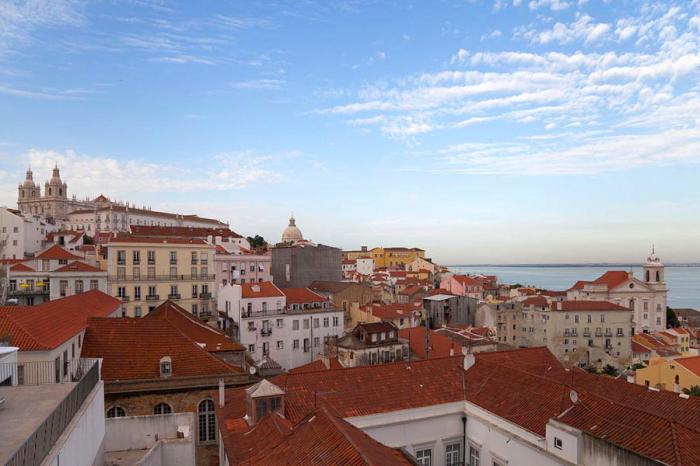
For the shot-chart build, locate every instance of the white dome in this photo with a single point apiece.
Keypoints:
(292, 234)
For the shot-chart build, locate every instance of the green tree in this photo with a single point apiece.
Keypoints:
(610, 370)
(671, 318)
(694, 390)
(638, 366)
(591, 369)
(88, 240)
(257, 241)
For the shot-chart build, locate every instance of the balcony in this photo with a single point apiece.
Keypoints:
(29, 292)
(608, 333)
(163, 278)
(266, 332)
(173, 261)
(586, 333)
(206, 295)
(620, 334)
(125, 299)
(151, 262)
(203, 261)
(121, 261)
(174, 296)
(152, 297)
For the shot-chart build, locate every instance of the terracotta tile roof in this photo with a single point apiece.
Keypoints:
(638, 348)
(375, 327)
(526, 386)
(50, 324)
(127, 238)
(438, 291)
(391, 311)
(208, 337)
(301, 296)
(411, 290)
(56, 252)
(21, 268)
(611, 278)
(440, 345)
(587, 306)
(691, 363)
(329, 287)
(260, 290)
(182, 232)
(221, 250)
(537, 301)
(78, 266)
(132, 348)
(467, 280)
(317, 365)
(76, 235)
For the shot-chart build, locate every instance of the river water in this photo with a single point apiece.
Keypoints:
(683, 282)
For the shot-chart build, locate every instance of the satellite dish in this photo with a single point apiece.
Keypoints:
(573, 396)
(252, 370)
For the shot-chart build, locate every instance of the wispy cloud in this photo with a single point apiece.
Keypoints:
(258, 84)
(18, 19)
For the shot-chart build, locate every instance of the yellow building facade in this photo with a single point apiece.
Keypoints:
(664, 373)
(386, 257)
(145, 272)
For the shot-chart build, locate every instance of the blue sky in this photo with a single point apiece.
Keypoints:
(483, 131)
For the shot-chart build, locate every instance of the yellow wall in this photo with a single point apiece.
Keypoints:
(661, 373)
(161, 271)
(386, 257)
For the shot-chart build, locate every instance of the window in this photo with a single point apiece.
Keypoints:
(151, 273)
(194, 258)
(193, 272)
(173, 257)
(162, 408)
(316, 322)
(116, 411)
(79, 286)
(317, 342)
(473, 456)
(251, 348)
(280, 345)
(194, 291)
(424, 457)
(453, 454)
(207, 421)
(326, 321)
(137, 311)
(280, 323)
(166, 368)
(151, 257)
(121, 257)
(136, 257)
(306, 324)
(20, 374)
(558, 444)
(121, 291)
(295, 344)
(137, 293)
(335, 321)
(151, 291)
(295, 325)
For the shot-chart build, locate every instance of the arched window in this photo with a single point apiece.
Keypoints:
(116, 411)
(658, 275)
(647, 275)
(207, 421)
(162, 408)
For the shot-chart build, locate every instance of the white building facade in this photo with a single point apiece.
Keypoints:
(21, 235)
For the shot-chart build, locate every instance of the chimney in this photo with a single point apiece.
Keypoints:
(222, 400)
(632, 377)
(469, 359)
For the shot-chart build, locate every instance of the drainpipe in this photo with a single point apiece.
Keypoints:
(464, 436)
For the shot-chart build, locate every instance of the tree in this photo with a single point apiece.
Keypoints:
(694, 390)
(638, 366)
(88, 240)
(610, 370)
(591, 369)
(671, 318)
(257, 241)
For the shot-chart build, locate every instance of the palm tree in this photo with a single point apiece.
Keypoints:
(694, 390)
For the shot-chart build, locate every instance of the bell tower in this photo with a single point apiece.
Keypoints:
(654, 271)
(27, 194)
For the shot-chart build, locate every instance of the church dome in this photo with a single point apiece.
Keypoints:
(291, 234)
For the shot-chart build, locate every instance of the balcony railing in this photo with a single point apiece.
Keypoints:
(152, 297)
(268, 312)
(586, 333)
(163, 278)
(205, 295)
(124, 299)
(174, 296)
(173, 261)
(266, 332)
(28, 292)
(39, 444)
(608, 333)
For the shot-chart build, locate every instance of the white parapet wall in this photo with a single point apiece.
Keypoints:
(157, 434)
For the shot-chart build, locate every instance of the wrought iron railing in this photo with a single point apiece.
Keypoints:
(162, 278)
(39, 444)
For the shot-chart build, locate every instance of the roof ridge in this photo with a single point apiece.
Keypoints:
(676, 447)
(341, 428)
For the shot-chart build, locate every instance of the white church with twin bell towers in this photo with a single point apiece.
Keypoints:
(93, 215)
(646, 296)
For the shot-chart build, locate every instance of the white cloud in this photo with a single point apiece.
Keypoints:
(554, 5)
(258, 84)
(584, 28)
(459, 57)
(18, 19)
(495, 34)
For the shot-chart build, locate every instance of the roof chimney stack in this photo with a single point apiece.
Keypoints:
(222, 399)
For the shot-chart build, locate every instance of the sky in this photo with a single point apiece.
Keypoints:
(506, 131)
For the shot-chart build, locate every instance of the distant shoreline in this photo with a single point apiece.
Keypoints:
(601, 264)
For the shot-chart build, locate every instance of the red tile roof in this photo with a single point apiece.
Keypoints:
(611, 278)
(182, 232)
(21, 268)
(587, 306)
(78, 266)
(526, 386)
(691, 363)
(208, 337)
(391, 311)
(440, 345)
(133, 348)
(222, 250)
(127, 238)
(537, 301)
(467, 280)
(76, 235)
(56, 252)
(50, 324)
(260, 290)
(301, 296)
(411, 290)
